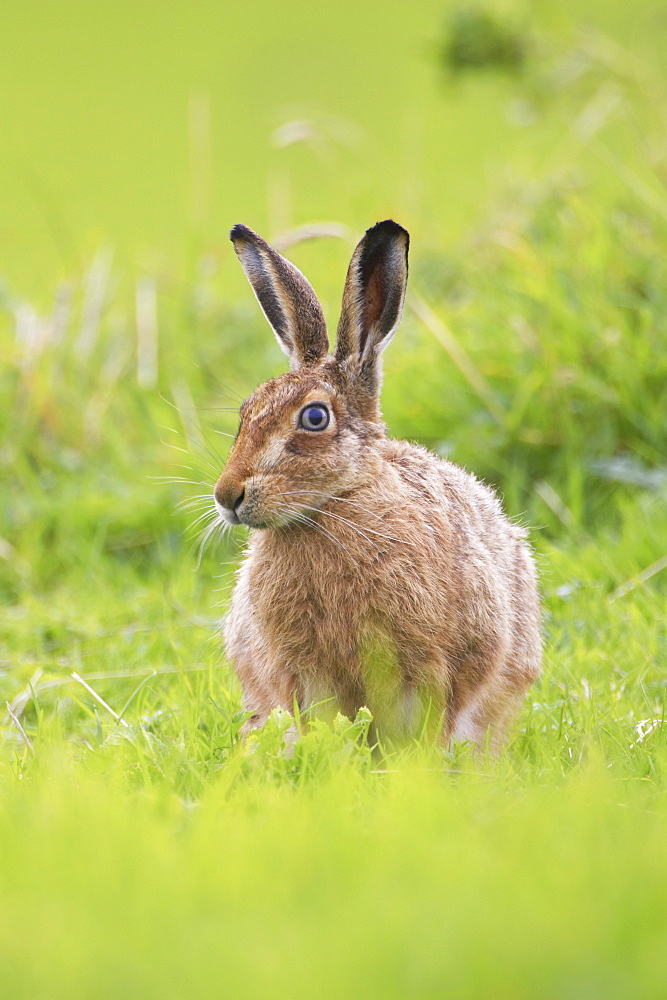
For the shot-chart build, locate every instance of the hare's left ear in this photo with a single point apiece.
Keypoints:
(373, 299)
(287, 299)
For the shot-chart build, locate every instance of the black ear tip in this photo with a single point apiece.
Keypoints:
(388, 229)
(240, 233)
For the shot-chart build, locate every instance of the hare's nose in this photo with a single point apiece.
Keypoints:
(229, 495)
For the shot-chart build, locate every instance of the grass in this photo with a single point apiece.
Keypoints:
(146, 850)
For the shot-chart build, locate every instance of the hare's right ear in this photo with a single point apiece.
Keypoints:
(287, 299)
(373, 300)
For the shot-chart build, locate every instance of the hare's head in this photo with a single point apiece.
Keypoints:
(307, 435)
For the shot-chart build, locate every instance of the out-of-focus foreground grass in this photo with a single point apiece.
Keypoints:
(145, 850)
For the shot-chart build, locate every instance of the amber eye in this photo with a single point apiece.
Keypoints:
(314, 417)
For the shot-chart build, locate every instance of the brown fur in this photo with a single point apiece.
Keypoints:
(378, 572)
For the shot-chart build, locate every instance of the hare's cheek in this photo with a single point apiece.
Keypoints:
(271, 456)
(311, 444)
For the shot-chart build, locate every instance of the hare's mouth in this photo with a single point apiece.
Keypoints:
(247, 512)
(226, 514)
(264, 502)
(243, 508)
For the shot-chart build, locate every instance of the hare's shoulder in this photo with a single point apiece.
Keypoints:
(439, 479)
(421, 468)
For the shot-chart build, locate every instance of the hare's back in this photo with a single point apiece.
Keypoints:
(444, 489)
(488, 561)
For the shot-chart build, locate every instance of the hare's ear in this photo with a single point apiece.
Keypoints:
(373, 299)
(287, 299)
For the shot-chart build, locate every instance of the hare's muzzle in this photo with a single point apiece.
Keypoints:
(229, 497)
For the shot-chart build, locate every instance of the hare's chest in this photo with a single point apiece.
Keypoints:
(307, 612)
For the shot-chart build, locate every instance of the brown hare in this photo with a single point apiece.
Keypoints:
(376, 573)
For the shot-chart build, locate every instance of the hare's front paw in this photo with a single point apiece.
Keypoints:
(255, 721)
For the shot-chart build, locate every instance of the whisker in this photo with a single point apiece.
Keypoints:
(318, 510)
(354, 527)
(177, 479)
(197, 496)
(225, 388)
(304, 519)
(174, 447)
(198, 509)
(200, 513)
(332, 496)
(207, 534)
(199, 499)
(189, 468)
(187, 451)
(220, 409)
(190, 502)
(203, 445)
(208, 514)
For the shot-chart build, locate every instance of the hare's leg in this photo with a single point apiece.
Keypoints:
(488, 714)
(264, 690)
(350, 693)
(267, 683)
(486, 718)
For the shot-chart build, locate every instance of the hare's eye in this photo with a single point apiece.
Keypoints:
(314, 417)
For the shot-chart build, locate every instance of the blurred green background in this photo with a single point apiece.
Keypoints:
(152, 126)
(148, 851)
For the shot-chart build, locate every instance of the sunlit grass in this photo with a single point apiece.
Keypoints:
(147, 850)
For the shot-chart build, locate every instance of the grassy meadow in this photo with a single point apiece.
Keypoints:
(147, 851)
